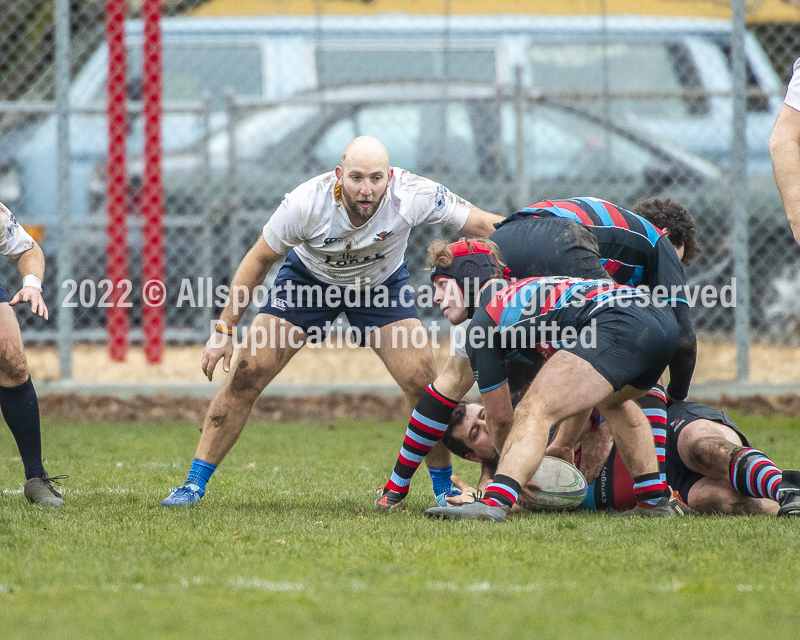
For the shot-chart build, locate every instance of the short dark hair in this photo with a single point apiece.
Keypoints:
(663, 212)
(453, 444)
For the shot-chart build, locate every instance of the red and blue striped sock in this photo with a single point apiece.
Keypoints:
(753, 474)
(503, 491)
(426, 427)
(654, 406)
(649, 488)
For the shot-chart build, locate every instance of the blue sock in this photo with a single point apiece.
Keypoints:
(200, 473)
(440, 476)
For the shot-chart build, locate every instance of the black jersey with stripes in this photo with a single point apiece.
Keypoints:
(633, 252)
(631, 249)
(536, 316)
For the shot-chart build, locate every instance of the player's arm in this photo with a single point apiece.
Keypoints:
(31, 267)
(784, 147)
(480, 223)
(250, 274)
(569, 434)
(681, 368)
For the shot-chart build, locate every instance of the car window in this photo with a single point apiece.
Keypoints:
(564, 145)
(192, 69)
(338, 65)
(638, 67)
(256, 133)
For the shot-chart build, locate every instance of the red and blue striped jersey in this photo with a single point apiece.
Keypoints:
(632, 250)
(541, 314)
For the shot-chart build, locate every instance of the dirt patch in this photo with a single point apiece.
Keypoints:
(784, 405)
(159, 409)
(318, 409)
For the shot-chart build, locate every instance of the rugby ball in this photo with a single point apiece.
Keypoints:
(556, 486)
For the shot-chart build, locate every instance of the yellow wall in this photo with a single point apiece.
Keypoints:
(758, 10)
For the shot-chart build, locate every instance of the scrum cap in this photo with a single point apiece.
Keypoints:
(472, 266)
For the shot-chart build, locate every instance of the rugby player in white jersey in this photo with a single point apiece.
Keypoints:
(18, 401)
(344, 232)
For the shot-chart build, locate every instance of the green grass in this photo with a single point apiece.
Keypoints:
(291, 548)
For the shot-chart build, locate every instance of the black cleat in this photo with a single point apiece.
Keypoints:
(789, 494)
(389, 500)
(41, 491)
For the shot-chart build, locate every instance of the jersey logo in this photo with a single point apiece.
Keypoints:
(380, 237)
(328, 241)
(279, 303)
(441, 197)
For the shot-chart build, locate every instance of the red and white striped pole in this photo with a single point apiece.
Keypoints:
(153, 276)
(117, 321)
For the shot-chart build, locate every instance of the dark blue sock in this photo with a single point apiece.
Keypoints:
(200, 473)
(20, 408)
(440, 477)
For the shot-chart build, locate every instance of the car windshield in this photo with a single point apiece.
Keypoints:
(256, 133)
(620, 67)
(563, 145)
(191, 70)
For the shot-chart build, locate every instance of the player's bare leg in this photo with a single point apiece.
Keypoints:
(708, 448)
(20, 408)
(269, 345)
(253, 369)
(544, 406)
(709, 496)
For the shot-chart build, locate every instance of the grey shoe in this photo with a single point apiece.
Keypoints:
(789, 494)
(390, 500)
(663, 509)
(472, 511)
(40, 491)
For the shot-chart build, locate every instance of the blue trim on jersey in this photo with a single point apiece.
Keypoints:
(600, 210)
(557, 211)
(497, 386)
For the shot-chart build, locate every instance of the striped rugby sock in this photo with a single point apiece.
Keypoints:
(649, 488)
(503, 491)
(753, 474)
(654, 406)
(426, 427)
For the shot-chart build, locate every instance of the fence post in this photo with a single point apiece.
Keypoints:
(739, 193)
(64, 254)
(234, 233)
(207, 312)
(519, 125)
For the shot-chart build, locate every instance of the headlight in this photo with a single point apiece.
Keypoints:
(10, 184)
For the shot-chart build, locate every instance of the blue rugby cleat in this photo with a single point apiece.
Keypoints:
(184, 496)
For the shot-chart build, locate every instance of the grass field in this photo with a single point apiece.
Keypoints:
(288, 547)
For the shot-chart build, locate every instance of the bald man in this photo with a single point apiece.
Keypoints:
(344, 235)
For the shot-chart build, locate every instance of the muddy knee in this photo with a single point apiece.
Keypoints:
(247, 378)
(13, 371)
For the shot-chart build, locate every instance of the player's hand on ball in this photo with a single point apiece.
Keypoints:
(557, 451)
(34, 296)
(466, 492)
(218, 347)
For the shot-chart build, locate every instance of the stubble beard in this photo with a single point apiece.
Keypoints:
(355, 209)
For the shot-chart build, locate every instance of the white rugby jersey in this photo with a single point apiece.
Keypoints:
(312, 220)
(14, 240)
(793, 91)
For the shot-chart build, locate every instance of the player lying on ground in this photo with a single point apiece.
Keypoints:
(538, 242)
(18, 401)
(343, 231)
(610, 344)
(710, 463)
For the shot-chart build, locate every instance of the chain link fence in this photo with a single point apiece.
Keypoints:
(503, 110)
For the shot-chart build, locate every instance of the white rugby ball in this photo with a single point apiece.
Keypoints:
(556, 486)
